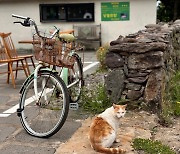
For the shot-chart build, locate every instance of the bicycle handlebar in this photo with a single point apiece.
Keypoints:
(30, 22)
(20, 17)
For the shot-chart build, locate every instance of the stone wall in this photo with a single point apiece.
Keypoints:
(141, 64)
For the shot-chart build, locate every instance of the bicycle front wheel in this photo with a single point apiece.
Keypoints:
(75, 79)
(45, 115)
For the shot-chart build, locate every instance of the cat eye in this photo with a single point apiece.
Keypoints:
(120, 112)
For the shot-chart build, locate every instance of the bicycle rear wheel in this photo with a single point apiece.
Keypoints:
(45, 117)
(75, 79)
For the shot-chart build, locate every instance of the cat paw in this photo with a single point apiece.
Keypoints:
(123, 151)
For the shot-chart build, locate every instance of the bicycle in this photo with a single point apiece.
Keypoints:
(44, 96)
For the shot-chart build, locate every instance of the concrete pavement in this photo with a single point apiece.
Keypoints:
(13, 138)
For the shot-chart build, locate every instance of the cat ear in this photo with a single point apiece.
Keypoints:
(125, 105)
(114, 105)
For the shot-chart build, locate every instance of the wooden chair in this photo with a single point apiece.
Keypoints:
(8, 44)
(4, 58)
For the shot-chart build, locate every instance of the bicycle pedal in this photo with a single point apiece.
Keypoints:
(73, 106)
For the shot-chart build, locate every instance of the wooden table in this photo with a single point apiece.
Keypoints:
(49, 41)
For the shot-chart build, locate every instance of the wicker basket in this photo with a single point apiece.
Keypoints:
(50, 51)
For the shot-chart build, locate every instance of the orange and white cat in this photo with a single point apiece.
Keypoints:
(103, 130)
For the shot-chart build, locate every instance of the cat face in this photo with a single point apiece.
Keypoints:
(119, 110)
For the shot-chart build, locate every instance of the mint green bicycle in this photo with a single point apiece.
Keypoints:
(47, 94)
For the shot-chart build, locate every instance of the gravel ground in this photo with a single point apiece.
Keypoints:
(135, 124)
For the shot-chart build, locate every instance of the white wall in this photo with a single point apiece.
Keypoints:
(142, 12)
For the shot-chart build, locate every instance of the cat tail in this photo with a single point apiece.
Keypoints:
(109, 150)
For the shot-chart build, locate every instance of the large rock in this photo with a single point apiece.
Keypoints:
(138, 47)
(154, 89)
(114, 60)
(177, 22)
(153, 26)
(138, 79)
(138, 73)
(146, 61)
(158, 37)
(133, 86)
(121, 39)
(118, 41)
(114, 83)
(134, 94)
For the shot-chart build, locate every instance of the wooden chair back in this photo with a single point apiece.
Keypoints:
(11, 50)
(8, 44)
(5, 58)
(3, 54)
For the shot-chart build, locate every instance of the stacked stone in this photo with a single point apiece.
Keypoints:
(141, 64)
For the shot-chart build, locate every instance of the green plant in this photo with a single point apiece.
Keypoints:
(101, 69)
(176, 109)
(151, 147)
(173, 94)
(171, 100)
(175, 87)
(101, 55)
(95, 99)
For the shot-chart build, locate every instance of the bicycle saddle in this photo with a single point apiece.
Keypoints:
(67, 37)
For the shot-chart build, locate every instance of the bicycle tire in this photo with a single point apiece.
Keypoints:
(75, 74)
(45, 117)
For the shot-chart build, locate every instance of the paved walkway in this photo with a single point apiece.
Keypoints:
(133, 125)
(13, 138)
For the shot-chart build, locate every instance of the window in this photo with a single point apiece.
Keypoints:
(67, 12)
(80, 12)
(52, 12)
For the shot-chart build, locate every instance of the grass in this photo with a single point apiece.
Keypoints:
(101, 69)
(174, 93)
(95, 100)
(171, 101)
(151, 147)
(176, 109)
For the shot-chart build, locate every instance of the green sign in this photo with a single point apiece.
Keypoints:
(115, 11)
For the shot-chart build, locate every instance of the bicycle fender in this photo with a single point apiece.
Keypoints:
(64, 75)
(25, 82)
(30, 76)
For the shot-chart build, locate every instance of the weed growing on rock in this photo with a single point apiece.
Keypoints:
(101, 70)
(151, 147)
(95, 100)
(101, 55)
(171, 100)
(174, 92)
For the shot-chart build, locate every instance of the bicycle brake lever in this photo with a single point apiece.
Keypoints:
(17, 22)
(55, 27)
(26, 22)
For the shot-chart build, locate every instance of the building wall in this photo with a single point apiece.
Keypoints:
(142, 12)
